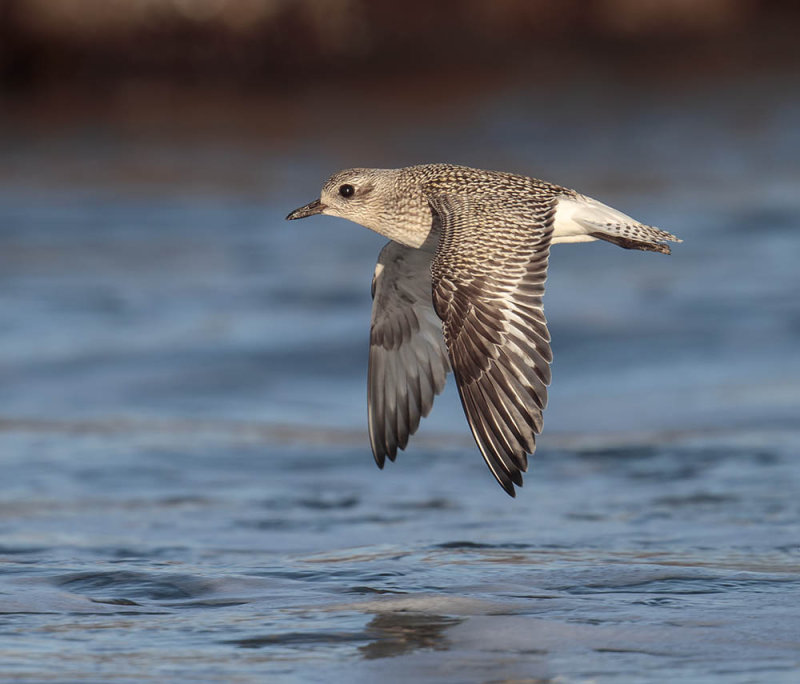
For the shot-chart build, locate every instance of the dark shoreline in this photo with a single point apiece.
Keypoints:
(284, 49)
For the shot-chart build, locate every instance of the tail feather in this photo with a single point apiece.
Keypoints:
(628, 243)
(583, 216)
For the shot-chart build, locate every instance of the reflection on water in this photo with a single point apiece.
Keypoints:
(155, 548)
(187, 491)
(395, 634)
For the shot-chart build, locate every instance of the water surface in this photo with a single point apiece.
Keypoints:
(187, 492)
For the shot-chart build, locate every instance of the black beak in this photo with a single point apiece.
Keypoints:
(315, 207)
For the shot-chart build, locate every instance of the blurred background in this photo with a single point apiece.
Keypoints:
(150, 148)
(183, 373)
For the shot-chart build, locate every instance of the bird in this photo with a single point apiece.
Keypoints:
(459, 287)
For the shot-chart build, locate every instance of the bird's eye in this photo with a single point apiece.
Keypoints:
(346, 190)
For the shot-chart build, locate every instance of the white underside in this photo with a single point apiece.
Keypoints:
(562, 239)
(577, 217)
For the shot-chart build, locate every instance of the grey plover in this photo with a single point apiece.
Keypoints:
(459, 286)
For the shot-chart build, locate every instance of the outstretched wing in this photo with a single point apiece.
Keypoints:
(488, 280)
(407, 358)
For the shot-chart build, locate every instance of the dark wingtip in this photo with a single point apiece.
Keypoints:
(380, 459)
(508, 486)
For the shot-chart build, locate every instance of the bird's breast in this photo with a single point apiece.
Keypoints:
(417, 229)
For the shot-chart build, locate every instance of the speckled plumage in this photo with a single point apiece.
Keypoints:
(460, 287)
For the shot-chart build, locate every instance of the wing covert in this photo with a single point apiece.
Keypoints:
(488, 281)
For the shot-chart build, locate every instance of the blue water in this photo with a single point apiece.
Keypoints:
(186, 487)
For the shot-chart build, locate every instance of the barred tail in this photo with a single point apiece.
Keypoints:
(637, 236)
(579, 218)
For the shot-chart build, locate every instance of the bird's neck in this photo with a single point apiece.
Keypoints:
(408, 220)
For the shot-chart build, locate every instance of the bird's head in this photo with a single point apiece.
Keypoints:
(359, 195)
(387, 201)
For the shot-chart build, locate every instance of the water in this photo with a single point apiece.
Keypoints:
(187, 492)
